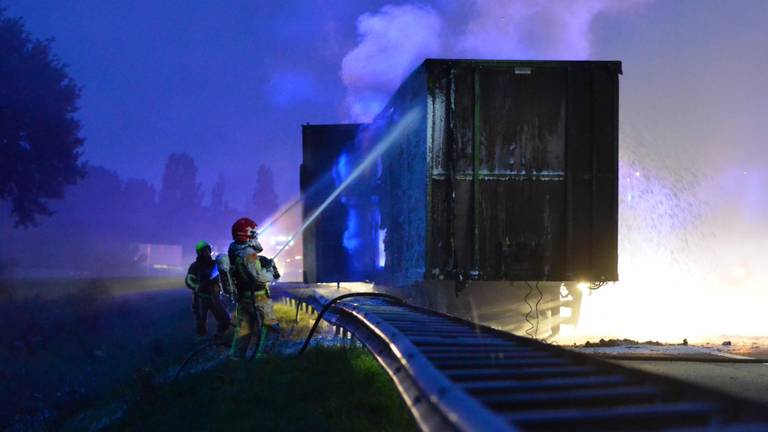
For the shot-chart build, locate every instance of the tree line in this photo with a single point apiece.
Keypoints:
(59, 212)
(95, 227)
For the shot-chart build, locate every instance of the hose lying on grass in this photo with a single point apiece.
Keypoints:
(304, 347)
(195, 353)
(328, 305)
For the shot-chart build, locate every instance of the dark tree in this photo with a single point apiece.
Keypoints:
(138, 206)
(217, 195)
(180, 202)
(180, 192)
(138, 193)
(85, 232)
(39, 134)
(264, 199)
(93, 229)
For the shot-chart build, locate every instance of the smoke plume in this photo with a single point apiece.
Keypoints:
(392, 42)
(395, 39)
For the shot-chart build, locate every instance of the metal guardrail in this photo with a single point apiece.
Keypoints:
(457, 375)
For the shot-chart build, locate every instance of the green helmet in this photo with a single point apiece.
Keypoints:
(202, 244)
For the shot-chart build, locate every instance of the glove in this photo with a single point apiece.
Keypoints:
(269, 265)
(266, 263)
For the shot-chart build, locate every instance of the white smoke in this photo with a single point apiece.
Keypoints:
(394, 40)
(544, 29)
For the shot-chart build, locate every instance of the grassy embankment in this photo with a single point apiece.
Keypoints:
(77, 341)
(85, 350)
(328, 388)
(339, 389)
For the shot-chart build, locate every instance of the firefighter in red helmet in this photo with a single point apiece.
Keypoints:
(251, 275)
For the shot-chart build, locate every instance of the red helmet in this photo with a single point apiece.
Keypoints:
(244, 229)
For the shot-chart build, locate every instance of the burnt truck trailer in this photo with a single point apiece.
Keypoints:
(494, 206)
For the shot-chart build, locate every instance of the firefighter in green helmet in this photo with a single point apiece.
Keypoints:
(203, 279)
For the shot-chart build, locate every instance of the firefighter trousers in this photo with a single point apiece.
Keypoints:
(254, 317)
(206, 304)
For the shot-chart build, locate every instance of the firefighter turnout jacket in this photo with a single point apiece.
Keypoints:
(200, 278)
(248, 273)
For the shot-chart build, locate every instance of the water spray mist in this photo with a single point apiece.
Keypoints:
(280, 216)
(405, 124)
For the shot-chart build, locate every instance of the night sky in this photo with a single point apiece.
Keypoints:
(231, 81)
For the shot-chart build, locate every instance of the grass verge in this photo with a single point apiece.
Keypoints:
(339, 389)
(290, 328)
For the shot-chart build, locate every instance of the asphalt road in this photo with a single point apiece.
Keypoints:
(748, 381)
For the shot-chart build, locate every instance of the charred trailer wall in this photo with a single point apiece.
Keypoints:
(403, 189)
(324, 256)
(512, 174)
